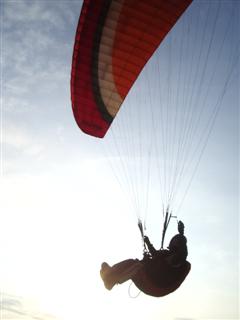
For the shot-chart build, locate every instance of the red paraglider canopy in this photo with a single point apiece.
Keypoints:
(114, 40)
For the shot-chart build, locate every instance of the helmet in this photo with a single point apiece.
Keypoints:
(178, 242)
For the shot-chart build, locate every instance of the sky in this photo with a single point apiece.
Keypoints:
(62, 208)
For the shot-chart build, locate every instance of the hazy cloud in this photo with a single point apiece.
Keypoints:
(36, 51)
(19, 139)
(12, 307)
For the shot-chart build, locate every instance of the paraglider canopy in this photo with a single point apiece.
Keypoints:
(114, 40)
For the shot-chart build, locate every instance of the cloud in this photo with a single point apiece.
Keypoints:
(19, 139)
(37, 48)
(25, 11)
(12, 306)
(37, 51)
(22, 149)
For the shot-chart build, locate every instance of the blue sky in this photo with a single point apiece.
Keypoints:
(62, 210)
